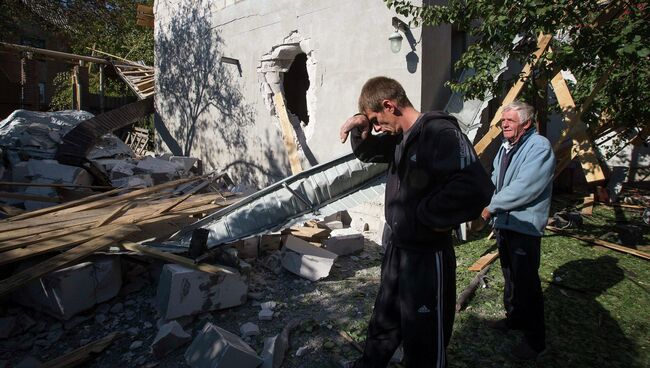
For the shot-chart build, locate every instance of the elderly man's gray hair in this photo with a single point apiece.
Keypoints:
(524, 110)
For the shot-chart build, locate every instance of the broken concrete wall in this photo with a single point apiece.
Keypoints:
(224, 113)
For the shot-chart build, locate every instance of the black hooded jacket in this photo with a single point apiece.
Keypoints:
(435, 180)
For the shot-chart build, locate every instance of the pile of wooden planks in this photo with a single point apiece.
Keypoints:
(75, 230)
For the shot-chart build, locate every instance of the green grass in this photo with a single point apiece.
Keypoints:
(597, 302)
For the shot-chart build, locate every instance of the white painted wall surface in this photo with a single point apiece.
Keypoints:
(235, 129)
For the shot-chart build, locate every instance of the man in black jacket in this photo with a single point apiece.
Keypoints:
(434, 183)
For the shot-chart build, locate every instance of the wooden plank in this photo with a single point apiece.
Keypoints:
(33, 239)
(29, 197)
(51, 185)
(468, 292)
(28, 231)
(308, 233)
(577, 131)
(65, 259)
(287, 133)
(132, 195)
(63, 206)
(82, 354)
(10, 210)
(174, 258)
(601, 242)
(484, 261)
(494, 131)
(111, 216)
(587, 205)
(52, 245)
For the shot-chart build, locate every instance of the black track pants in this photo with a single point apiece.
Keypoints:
(415, 306)
(522, 294)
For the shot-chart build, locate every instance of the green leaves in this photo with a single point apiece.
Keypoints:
(618, 46)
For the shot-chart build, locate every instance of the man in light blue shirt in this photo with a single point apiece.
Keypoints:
(523, 176)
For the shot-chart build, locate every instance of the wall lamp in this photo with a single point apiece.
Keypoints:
(396, 38)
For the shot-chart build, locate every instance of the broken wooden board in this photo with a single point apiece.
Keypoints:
(576, 130)
(587, 205)
(54, 244)
(602, 243)
(174, 258)
(65, 259)
(310, 234)
(82, 354)
(484, 261)
(494, 130)
(287, 133)
(468, 292)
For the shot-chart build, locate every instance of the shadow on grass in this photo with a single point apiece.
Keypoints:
(580, 331)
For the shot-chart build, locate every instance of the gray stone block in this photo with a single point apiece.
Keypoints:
(215, 347)
(184, 291)
(170, 337)
(306, 260)
(344, 241)
(69, 291)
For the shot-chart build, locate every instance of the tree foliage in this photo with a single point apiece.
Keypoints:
(592, 38)
(105, 25)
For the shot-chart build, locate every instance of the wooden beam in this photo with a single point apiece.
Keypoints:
(63, 206)
(494, 131)
(65, 259)
(174, 258)
(53, 54)
(287, 133)
(587, 205)
(577, 131)
(41, 237)
(21, 184)
(484, 261)
(52, 245)
(82, 354)
(602, 243)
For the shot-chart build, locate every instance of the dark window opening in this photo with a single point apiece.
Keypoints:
(296, 84)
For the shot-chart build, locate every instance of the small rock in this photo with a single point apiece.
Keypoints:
(133, 331)
(269, 305)
(56, 326)
(130, 303)
(100, 318)
(9, 326)
(117, 308)
(249, 329)
(169, 337)
(147, 325)
(301, 351)
(54, 336)
(328, 345)
(40, 326)
(42, 342)
(265, 315)
(83, 342)
(136, 345)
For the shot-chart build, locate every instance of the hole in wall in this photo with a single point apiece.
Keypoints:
(296, 84)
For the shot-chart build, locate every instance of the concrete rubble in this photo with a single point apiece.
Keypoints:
(69, 291)
(215, 347)
(170, 336)
(344, 241)
(305, 260)
(183, 291)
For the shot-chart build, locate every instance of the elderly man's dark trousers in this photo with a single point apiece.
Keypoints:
(415, 307)
(522, 297)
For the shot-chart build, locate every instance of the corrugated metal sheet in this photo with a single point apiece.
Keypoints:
(321, 190)
(81, 139)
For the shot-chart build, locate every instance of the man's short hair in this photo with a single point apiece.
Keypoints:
(377, 89)
(524, 110)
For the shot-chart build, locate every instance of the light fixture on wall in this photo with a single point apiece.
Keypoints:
(396, 38)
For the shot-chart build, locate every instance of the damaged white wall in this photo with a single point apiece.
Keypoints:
(225, 115)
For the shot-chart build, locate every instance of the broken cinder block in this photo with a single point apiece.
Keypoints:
(184, 291)
(215, 347)
(344, 241)
(342, 216)
(68, 291)
(306, 260)
(170, 336)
